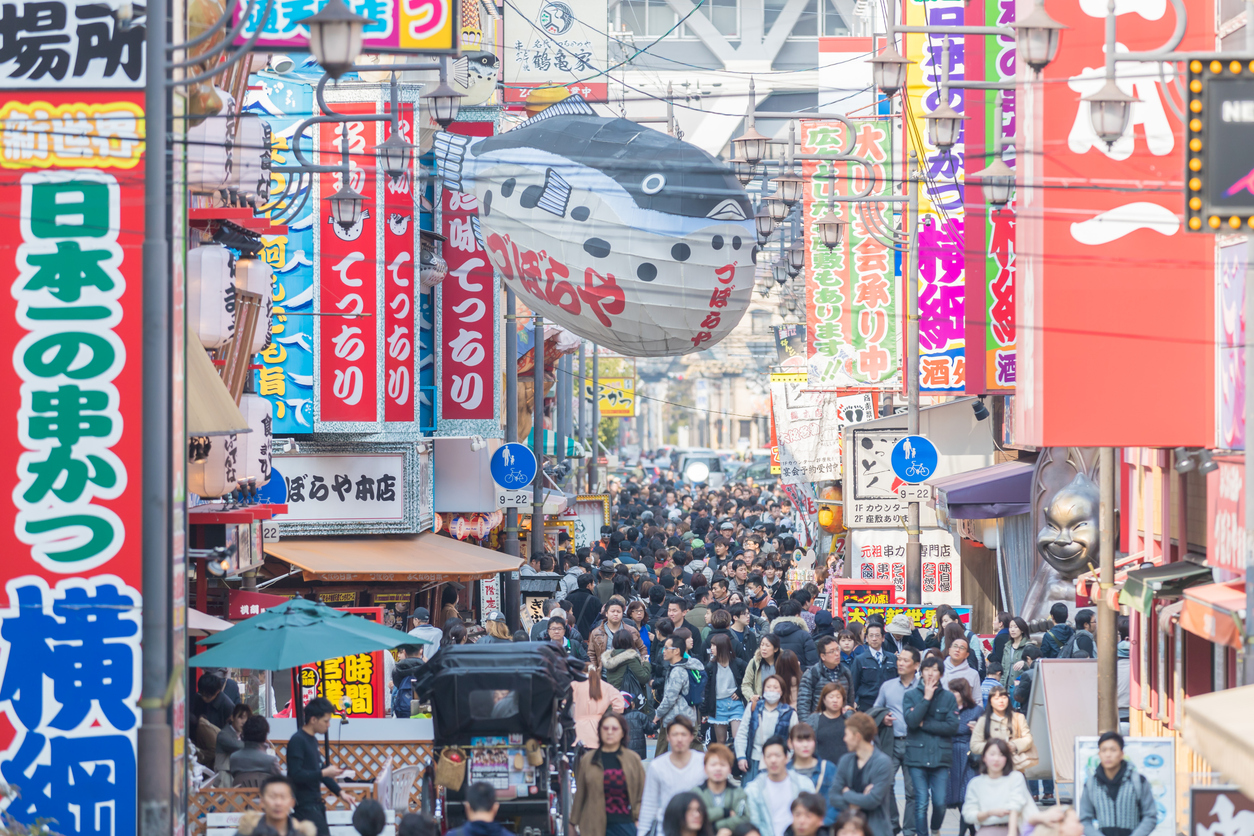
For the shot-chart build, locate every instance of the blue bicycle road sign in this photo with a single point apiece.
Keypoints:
(513, 466)
(914, 459)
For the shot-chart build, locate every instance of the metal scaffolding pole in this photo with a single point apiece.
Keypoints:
(513, 590)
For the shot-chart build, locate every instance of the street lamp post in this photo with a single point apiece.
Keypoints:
(537, 441)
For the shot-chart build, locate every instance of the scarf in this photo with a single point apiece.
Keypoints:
(1117, 801)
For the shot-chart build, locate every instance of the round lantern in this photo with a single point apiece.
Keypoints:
(831, 518)
(250, 171)
(220, 472)
(256, 275)
(211, 294)
(255, 448)
(209, 147)
(624, 235)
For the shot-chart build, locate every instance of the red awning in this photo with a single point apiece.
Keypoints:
(1210, 611)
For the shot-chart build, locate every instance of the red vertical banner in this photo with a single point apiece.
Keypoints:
(466, 316)
(346, 276)
(399, 287)
(71, 241)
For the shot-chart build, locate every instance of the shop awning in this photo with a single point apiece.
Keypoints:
(210, 408)
(405, 557)
(1214, 612)
(574, 450)
(1166, 581)
(1220, 727)
(1002, 490)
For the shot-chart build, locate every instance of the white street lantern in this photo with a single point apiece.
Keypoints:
(764, 223)
(997, 181)
(346, 206)
(831, 230)
(445, 103)
(888, 70)
(943, 126)
(1110, 109)
(750, 146)
(776, 206)
(335, 36)
(211, 295)
(1038, 38)
(744, 170)
(394, 154)
(796, 257)
(788, 187)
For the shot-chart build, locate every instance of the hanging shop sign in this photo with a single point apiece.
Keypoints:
(70, 616)
(874, 501)
(466, 330)
(1225, 515)
(1218, 809)
(589, 512)
(862, 592)
(810, 425)
(622, 234)
(790, 346)
(854, 299)
(399, 27)
(549, 44)
(1234, 259)
(354, 684)
(990, 235)
(921, 616)
(363, 489)
(880, 555)
(1219, 171)
(68, 45)
(617, 396)
(942, 254)
(365, 365)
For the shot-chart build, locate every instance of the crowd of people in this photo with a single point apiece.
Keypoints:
(772, 716)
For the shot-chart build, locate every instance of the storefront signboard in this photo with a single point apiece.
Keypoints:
(363, 489)
(354, 684)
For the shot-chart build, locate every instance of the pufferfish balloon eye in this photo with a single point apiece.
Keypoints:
(627, 236)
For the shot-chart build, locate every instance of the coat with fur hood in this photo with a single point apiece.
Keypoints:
(253, 823)
(794, 635)
(616, 663)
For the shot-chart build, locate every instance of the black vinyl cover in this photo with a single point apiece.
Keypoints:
(495, 689)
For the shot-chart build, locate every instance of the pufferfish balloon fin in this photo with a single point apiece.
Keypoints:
(450, 153)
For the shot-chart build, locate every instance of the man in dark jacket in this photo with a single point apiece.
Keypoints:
(305, 769)
(1059, 634)
(584, 605)
(211, 702)
(1081, 645)
(794, 635)
(872, 669)
(408, 661)
(481, 808)
(829, 668)
(931, 723)
(864, 777)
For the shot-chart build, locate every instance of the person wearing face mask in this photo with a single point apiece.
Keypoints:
(767, 718)
(931, 721)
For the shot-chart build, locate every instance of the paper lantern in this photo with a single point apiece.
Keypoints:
(250, 171)
(624, 235)
(257, 446)
(256, 275)
(209, 148)
(220, 472)
(211, 294)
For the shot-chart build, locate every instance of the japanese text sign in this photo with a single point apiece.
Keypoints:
(70, 622)
(69, 45)
(548, 44)
(862, 592)
(1234, 259)
(354, 684)
(880, 555)
(359, 487)
(809, 427)
(920, 616)
(1225, 516)
(617, 396)
(400, 26)
(854, 303)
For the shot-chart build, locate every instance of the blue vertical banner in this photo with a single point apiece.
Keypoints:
(286, 376)
(426, 363)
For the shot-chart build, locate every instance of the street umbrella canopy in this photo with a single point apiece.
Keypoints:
(296, 633)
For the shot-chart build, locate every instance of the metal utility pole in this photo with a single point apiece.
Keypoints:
(1107, 640)
(914, 559)
(155, 740)
(512, 586)
(563, 407)
(537, 441)
(595, 426)
(581, 473)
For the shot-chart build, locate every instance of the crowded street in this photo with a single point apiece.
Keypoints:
(627, 418)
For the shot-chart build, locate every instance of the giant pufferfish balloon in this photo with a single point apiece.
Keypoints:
(629, 237)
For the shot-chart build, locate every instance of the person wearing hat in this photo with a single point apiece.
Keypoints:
(901, 632)
(497, 629)
(423, 629)
(604, 589)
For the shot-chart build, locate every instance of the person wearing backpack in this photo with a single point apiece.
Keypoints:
(766, 718)
(1058, 636)
(1117, 800)
(684, 691)
(625, 669)
(408, 661)
(1081, 645)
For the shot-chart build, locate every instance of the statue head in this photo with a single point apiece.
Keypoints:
(1069, 539)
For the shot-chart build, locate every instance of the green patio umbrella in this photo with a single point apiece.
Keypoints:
(296, 633)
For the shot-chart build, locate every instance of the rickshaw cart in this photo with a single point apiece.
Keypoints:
(506, 707)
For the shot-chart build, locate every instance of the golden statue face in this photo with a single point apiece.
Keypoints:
(1069, 539)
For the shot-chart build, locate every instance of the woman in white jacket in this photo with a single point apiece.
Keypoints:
(999, 795)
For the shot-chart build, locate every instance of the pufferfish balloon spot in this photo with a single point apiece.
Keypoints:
(613, 230)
